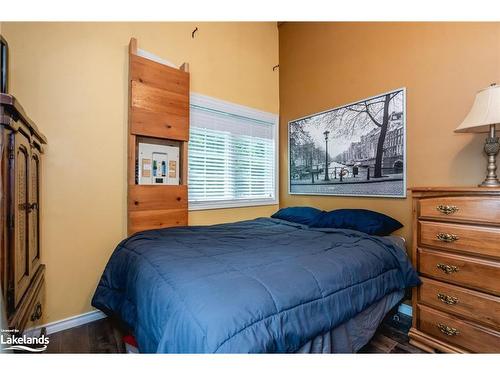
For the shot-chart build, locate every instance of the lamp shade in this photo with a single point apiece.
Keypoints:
(484, 112)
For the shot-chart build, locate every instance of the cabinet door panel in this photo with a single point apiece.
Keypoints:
(34, 213)
(20, 208)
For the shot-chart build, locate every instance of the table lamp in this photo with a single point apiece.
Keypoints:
(484, 117)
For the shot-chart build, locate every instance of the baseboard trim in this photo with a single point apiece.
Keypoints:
(64, 324)
(405, 309)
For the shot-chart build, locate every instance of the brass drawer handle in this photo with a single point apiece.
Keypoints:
(446, 268)
(449, 300)
(447, 210)
(447, 237)
(449, 331)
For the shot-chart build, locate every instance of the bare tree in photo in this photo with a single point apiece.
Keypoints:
(298, 134)
(358, 116)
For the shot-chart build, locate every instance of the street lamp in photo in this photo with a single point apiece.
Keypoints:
(326, 133)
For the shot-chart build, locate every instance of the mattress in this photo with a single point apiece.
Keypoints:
(257, 286)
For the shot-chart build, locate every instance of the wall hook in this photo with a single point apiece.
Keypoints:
(194, 31)
(276, 67)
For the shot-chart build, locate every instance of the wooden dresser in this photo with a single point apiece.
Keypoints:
(21, 271)
(456, 250)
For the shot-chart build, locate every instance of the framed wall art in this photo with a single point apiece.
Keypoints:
(358, 149)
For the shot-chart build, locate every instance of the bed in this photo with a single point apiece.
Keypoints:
(258, 286)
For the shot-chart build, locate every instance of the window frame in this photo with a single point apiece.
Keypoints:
(199, 100)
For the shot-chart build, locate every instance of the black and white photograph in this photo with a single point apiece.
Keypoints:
(357, 149)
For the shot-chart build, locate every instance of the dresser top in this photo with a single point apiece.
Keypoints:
(456, 189)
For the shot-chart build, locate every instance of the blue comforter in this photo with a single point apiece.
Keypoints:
(263, 285)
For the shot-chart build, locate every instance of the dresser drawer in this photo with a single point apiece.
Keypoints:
(470, 336)
(467, 238)
(461, 270)
(37, 308)
(477, 306)
(478, 209)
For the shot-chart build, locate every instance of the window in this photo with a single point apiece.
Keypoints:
(232, 155)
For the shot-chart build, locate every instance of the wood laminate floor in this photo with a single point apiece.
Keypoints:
(100, 337)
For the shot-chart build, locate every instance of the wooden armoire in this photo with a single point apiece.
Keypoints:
(22, 274)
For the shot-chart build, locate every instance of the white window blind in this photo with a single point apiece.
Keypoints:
(232, 155)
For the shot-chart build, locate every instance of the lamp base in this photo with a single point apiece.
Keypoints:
(491, 148)
(489, 183)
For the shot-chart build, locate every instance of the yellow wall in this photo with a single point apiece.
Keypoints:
(442, 65)
(72, 80)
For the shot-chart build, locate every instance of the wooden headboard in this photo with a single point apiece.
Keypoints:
(158, 113)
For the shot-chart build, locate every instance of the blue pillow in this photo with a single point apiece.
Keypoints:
(369, 222)
(301, 215)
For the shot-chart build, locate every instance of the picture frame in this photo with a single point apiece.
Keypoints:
(357, 149)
